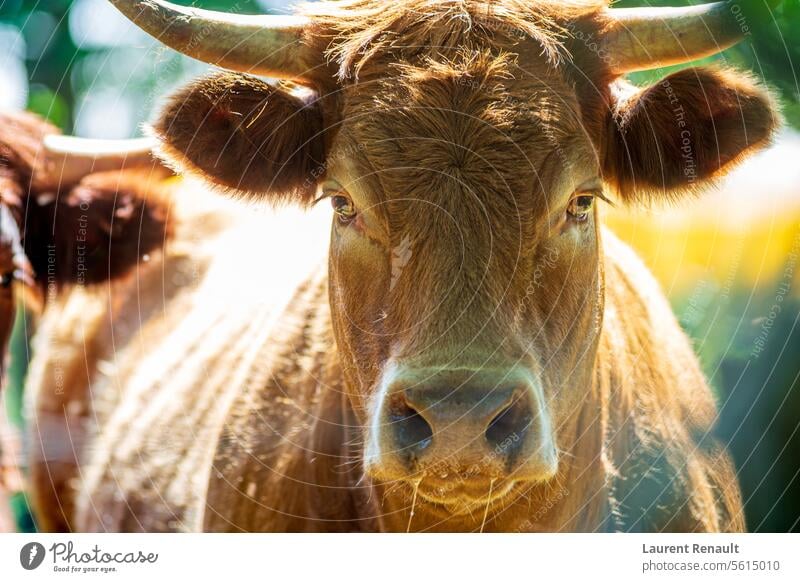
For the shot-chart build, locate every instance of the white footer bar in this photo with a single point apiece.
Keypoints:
(406, 558)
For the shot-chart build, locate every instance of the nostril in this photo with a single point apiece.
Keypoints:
(412, 432)
(507, 429)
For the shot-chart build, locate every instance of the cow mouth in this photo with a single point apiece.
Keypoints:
(457, 496)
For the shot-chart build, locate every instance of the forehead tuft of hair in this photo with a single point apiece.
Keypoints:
(363, 29)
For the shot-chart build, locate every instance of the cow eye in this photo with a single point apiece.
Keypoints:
(580, 206)
(6, 279)
(343, 207)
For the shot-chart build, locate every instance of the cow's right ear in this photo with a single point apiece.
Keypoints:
(248, 137)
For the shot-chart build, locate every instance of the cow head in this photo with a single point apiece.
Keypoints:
(466, 148)
(72, 212)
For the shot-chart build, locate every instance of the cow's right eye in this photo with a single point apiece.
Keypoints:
(343, 207)
(580, 207)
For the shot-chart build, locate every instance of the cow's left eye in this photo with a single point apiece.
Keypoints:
(343, 207)
(6, 279)
(580, 206)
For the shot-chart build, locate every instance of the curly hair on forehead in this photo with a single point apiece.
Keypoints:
(363, 29)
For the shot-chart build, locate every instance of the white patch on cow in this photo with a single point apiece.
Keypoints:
(46, 198)
(401, 254)
(546, 456)
(10, 232)
(372, 450)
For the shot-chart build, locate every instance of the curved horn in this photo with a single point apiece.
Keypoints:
(261, 44)
(68, 159)
(646, 38)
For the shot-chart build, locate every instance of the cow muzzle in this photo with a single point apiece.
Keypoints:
(463, 426)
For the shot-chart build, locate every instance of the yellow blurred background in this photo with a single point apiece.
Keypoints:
(739, 234)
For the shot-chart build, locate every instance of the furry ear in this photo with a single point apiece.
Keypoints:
(100, 229)
(683, 132)
(245, 136)
(87, 233)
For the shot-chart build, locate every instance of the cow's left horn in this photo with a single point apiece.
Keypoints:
(68, 159)
(646, 38)
(261, 44)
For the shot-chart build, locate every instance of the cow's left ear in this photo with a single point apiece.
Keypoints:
(683, 132)
(245, 136)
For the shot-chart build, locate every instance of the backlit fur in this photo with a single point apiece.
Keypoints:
(460, 130)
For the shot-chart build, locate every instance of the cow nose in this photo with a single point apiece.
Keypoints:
(412, 433)
(494, 431)
(500, 418)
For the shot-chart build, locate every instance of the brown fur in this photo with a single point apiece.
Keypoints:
(463, 141)
(364, 28)
(272, 140)
(100, 228)
(686, 130)
(54, 237)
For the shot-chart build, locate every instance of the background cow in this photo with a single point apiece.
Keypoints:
(70, 215)
(489, 357)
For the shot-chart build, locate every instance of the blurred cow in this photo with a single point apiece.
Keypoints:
(72, 213)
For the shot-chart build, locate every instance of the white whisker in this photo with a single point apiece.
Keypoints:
(488, 503)
(413, 504)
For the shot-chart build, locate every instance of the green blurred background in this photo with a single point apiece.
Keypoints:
(728, 262)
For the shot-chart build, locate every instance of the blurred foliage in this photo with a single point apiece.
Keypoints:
(84, 67)
(18, 367)
(735, 289)
(89, 70)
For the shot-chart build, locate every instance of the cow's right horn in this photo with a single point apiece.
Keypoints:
(267, 45)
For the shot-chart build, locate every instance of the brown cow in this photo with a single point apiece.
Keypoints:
(479, 354)
(70, 214)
